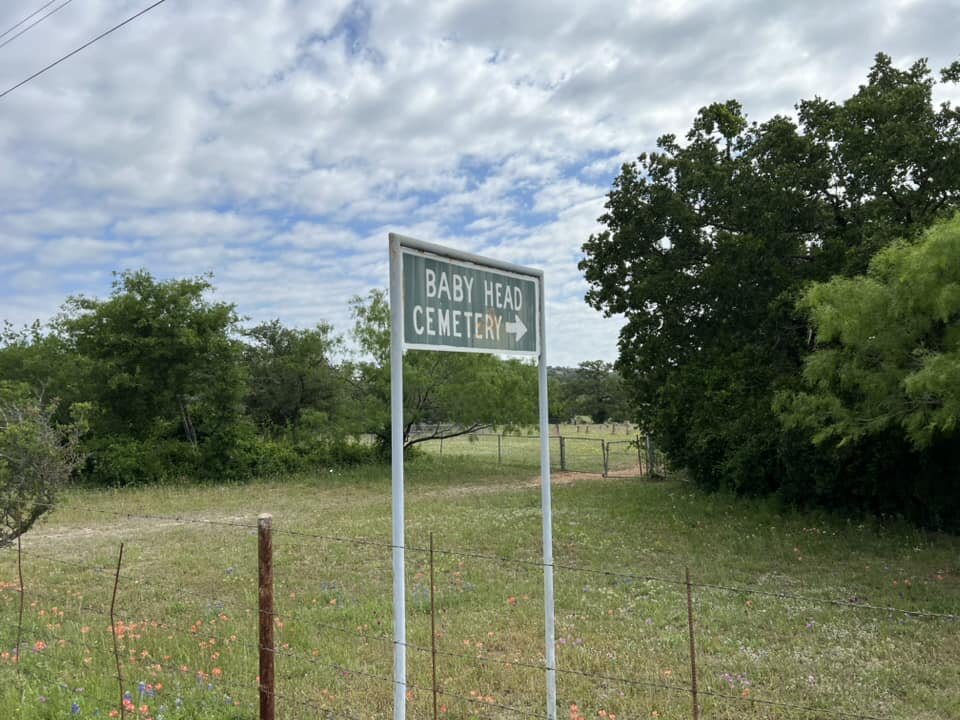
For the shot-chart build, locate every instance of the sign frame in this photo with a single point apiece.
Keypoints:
(451, 258)
(399, 245)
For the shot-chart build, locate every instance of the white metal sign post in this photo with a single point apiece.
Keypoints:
(444, 299)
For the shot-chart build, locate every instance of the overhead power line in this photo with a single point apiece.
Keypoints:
(82, 47)
(35, 12)
(34, 23)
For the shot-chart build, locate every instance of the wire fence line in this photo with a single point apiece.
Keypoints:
(635, 455)
(291, 652)
(504, 559)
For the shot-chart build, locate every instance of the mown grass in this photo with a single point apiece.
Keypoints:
(188, 596)
(580, 450)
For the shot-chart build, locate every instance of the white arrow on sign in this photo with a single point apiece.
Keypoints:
(518, 328)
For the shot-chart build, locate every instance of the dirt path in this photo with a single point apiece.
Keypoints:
(119, 526)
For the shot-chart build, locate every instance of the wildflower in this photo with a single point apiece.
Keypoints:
(39, 645)
(75, 709)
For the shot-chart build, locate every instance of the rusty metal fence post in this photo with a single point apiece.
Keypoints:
(267, 655)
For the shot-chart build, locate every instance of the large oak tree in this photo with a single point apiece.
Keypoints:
(708, 243)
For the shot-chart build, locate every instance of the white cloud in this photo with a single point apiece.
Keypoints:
(275, 142)
(70, 251)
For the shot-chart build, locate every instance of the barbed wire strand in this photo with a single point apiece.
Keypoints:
(555, 565)
(513, 663)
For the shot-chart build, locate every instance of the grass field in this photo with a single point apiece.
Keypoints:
(580, 450)
(188, 598)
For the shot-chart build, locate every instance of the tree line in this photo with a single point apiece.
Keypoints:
(791, 294)
(170, 383)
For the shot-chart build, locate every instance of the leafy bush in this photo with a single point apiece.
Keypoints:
(116, 461)
(234, 454)
(37, 458)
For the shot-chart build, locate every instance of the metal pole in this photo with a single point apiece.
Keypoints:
(19, 647)
(113, 631)
(396, 464)
(693, 651)
(433, 631)
(549, 630)
(267, 649)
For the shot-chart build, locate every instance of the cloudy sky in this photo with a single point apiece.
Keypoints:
(275, 143)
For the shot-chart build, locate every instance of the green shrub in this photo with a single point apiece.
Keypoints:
(116, 461)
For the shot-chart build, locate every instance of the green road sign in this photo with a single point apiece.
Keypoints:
(445, 299)
(466, 307)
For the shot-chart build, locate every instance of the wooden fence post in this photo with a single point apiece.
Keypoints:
(500, 449)
(563, 454)
(605, 451)
(639, 455)
(267, 654)
(649, 456)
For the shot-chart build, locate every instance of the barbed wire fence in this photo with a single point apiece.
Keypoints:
(339, 641)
